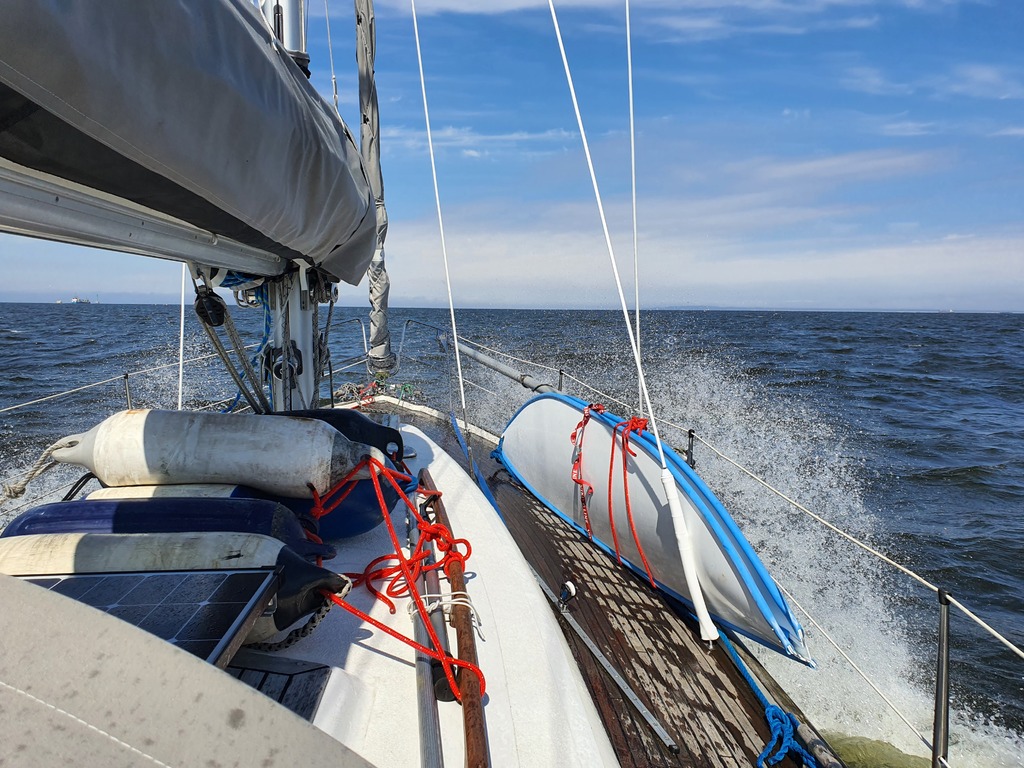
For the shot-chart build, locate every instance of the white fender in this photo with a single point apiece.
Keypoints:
(49, 553)
(278, 454)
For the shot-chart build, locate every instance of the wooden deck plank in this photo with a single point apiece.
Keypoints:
(698, 695)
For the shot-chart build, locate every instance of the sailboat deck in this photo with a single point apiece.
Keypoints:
(698, 696)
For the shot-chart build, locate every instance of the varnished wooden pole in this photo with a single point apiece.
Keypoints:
(462, 620)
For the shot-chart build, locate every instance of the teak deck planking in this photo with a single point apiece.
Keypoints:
(697, 695)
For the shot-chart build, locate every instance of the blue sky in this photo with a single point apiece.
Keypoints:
(858, 154)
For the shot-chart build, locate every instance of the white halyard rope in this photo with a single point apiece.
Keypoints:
(440, 218)
(831, 526)
(646, 398)
(330, 56)
(684, 541)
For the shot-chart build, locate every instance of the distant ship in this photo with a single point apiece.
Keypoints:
(76, 300)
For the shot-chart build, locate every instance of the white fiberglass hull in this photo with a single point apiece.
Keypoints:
(537, 449)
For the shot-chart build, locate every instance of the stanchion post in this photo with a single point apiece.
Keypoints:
(940, 731)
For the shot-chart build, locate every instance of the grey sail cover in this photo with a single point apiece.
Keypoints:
(190, 108)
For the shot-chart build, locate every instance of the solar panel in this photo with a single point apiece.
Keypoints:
(206, 613)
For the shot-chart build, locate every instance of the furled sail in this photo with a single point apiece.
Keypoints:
(192, 110)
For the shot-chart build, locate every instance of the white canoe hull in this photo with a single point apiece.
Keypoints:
(740, 594)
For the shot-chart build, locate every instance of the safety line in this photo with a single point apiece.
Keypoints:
(866, 547)
(856, 668)
(108, 381)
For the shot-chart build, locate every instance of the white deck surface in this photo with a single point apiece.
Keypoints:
(537, 707)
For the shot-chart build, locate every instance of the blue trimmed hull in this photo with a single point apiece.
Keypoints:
(740, 594)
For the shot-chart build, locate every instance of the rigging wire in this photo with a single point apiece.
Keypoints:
(181, 339)
(708, 630)
(632, 170)
(866, 547)
(857, 669)
(330, 56)
(440, 218)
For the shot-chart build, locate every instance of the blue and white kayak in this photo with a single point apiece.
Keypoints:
(536, 447)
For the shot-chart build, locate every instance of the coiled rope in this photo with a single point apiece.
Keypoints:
(403, 576)
(783, 724)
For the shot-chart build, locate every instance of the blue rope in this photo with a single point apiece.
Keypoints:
(783, 724)
(480, 481)
(232, 280)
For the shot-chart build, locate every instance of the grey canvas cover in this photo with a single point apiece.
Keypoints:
(192, 109)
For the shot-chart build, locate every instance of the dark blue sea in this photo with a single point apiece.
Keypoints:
(906, 430)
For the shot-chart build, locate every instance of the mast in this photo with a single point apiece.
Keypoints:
(381, 359)
(294, 379)
(287, 19)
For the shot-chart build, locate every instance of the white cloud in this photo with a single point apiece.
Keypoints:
(470, 140)
(908, 128)
(773, 7)
(871, 80)
(561, 261)
(837, 169)
(1017, 131)
(689, 28)
(982, 81)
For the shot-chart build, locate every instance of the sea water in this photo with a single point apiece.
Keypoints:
(905, 430)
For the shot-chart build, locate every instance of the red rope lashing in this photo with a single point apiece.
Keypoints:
(402, 576)
(446, 661)
(638, 425)
(586, 489)
(366, 394)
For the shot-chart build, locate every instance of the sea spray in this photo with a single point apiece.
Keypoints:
(858, 600)
(808, 452)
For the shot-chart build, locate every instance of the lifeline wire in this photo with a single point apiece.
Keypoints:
(108, 381)
(856, 668)
(440, 218)
(866, 547)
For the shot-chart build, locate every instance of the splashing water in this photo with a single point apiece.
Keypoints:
(814, 454)
(795, 432)
(856, 598)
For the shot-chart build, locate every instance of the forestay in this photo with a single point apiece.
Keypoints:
(191, 110)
